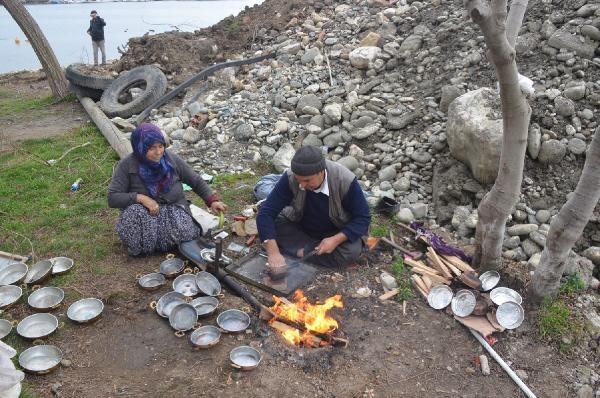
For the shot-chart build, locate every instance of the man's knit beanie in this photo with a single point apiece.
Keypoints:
(307, 161)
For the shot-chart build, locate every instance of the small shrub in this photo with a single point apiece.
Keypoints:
(573, 284)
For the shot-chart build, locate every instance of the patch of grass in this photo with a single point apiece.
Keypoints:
(11, 104)
(402, 276)
(235, 190)
(233, 27)
(573, 284)
(37, 208)
(26, 391)
(557, 324)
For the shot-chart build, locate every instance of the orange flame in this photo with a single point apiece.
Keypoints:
(313, 317)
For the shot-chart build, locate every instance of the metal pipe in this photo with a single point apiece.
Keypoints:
(503, 364)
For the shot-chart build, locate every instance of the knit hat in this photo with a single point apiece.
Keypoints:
(307, 161)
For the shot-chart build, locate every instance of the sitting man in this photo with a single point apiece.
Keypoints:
(318, 205)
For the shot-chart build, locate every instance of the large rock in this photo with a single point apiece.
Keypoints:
(552, 151)
(474, 136)
(363, 57)
(591, 31)
(349, 162)
(372, 39)
(592, 253)
(576, 264)
(365, 132)
(561, 39)
(534, 140)
(309, 100)
(312, 54)
(283, 157)
(564, 106)
(387, 173)
(244, 132)
(449, 94)
(521, 229)
(411, 44)
(333, 112)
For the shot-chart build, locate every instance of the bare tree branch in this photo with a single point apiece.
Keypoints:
(515, 20)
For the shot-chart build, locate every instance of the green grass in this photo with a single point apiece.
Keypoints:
(572, 285)
(37, 208)
(557, 324)
(402, 276)
(26, 391)
(13, 104)
(235, 190)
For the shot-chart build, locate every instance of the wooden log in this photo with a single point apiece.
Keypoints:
(436, 278)
(12, 256)
(389, 295)
(458, 263)
(418, 289)
(451, 267)
(439, 263)
(428, 282)
(402, 249)
(115, 138)
(420, 283)
(284, 327)
(420, 264)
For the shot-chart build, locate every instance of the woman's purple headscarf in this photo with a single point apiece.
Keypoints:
(157, 176)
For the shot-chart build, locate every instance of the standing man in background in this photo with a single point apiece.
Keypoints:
(96, 31)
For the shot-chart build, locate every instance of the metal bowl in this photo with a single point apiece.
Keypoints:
(152, 281)
(205, 305)
(183, 317)
(233, 321)
(85, 310)
(40, 359)
(205, 336)
(171, 267)
(46, 298)
(463, 303)
(501, 295)
(489, 280)
(510, 315)
(166, 303)
(186, 285)
(9, 295)
(208, 284)
(5, 328)
(208, 255)
(13, 273)
(61, 265)
(440, 296)
(38, 272)
(37, 326)
(245, 357)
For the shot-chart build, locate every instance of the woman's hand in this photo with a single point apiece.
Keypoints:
(149, 204)
(218, 207)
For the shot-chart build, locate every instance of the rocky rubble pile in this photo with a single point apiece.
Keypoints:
(401, 94)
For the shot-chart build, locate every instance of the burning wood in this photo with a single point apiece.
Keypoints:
(306, 324)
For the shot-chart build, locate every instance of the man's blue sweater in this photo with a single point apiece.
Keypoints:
(315, 221)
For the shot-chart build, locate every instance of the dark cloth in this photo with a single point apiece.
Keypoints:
(126, 184)
(317, 221)
(291, 237)
(157, 176)
(143, 233)
(96, 29)
(307, 161)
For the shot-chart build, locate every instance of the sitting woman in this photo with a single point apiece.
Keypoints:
(147, 186)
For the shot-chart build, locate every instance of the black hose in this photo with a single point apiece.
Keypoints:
(205, 73)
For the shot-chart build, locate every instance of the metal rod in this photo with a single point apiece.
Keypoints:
(503, 364)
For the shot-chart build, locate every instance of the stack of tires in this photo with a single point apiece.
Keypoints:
(110, 92)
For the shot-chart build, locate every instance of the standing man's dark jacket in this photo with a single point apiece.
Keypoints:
(96, 29)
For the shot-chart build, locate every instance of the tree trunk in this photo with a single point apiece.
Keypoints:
(54, 73)
(568, 226)
(496, 206)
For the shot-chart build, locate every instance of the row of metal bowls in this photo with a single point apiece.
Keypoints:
(43, 299)
(189, 285)
(41, 325)
(19, 272)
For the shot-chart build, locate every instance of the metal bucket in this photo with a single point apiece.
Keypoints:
(9, 295)
(245, 357)
(233, 321)
(40, 359)
(46, 298)
(463, 303)
(205, 336)
(440, 297)
(85, 310)
(501, 295)
(186, 285)
(37, 326)
(38, 272)
(510, 315)
(13, 273)
(208, 284)
(489, 280)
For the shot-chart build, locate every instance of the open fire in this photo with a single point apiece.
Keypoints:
(303, 323)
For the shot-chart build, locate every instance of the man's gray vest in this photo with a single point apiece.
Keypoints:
(339, 179)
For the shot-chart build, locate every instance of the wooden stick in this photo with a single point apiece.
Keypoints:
(418, 289)
(451, 267)
(398, 247)
(436, 278)
(420, 282)
(458, 263)
(13, 256)
(284, 327)
(420, 264)
(389, 295)
(439, 263)
(427, 281)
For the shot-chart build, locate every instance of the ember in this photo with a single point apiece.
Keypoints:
(309, 320)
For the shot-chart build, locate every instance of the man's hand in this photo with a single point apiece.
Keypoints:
(328, 245)
(274, 257)
(218, 207)
(149, 204)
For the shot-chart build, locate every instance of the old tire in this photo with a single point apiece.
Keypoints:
(75, 76)
(156, 85)
(92, 93)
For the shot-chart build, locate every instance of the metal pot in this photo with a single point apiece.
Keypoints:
(12, 274)
(186, 285)
(171, 267)
(205, 336)
(245, 357)
(46, 298)
(40, 359)
(489, 280)
(208, 255)
(510, 315)
(233, 321)
(205, 305)
(37, 326)
(208, 284)
(166, 303)
(501, 295)
(85, 310)
(151, 281)
(439, 297)
(38, 272)
(61, 265)
(463, 303)
(183, 317)
(9, 295)
(5, 328)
